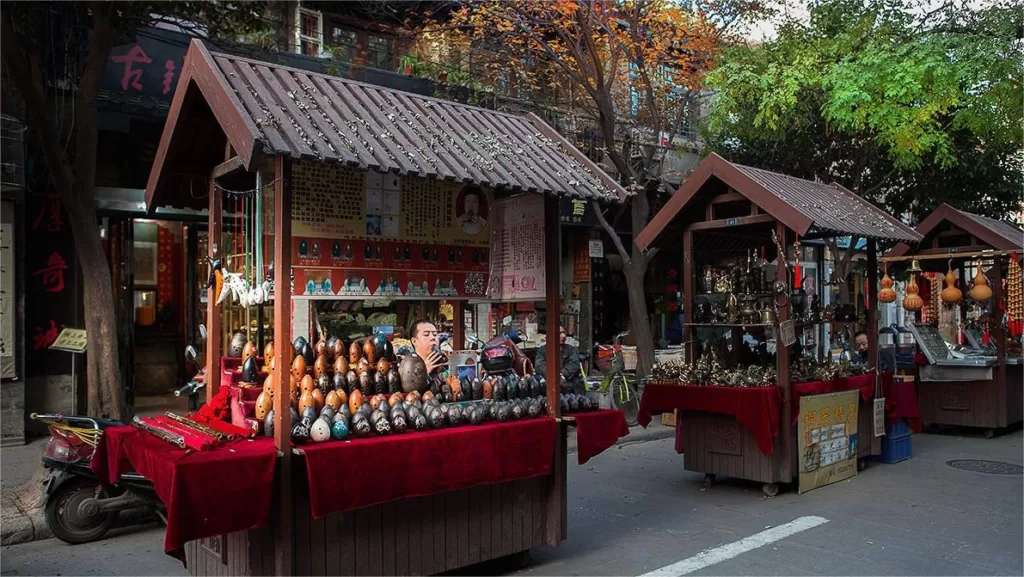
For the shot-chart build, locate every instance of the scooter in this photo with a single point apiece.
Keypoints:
(79, 508)
(502, 354)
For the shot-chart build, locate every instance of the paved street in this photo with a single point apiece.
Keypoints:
(633, 510)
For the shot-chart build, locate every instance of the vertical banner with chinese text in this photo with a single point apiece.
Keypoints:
(827, 438)
(8, 308)
(50, 293)
(517, 249)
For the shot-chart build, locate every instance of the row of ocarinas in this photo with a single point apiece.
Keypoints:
(397, 414)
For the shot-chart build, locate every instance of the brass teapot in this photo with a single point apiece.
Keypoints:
(769, 316)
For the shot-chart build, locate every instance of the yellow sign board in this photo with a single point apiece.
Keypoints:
(827, 433)
(70, 340)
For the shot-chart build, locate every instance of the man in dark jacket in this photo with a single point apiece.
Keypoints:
(570, 368)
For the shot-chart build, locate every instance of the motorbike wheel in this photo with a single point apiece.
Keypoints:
(62, 513)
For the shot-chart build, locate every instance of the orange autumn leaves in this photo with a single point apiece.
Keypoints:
(640, 53)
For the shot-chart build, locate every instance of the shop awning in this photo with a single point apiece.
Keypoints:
(809, 208)
(986, 233)
(264, 109)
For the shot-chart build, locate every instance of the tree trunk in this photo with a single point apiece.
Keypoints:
(638, 315)
(105, 398)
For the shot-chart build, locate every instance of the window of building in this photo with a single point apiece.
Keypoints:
(379, 52)
(309, 35)
(344, 43)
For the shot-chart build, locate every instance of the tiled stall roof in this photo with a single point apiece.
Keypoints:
(268, 109)
(803, 206)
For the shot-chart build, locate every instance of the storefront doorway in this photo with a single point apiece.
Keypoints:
(157, 302)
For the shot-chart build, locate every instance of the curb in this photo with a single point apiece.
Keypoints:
(21, 528)
(637, 434)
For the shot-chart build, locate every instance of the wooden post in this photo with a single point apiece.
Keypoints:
(782, 356)
(688, 299)
(552, 290)
(282, 339)
(996, 282)
(557, 514)
(876, 442)
(872, 316)
(214, 346)
(458, 326)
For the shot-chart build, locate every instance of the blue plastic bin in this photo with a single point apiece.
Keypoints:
(896, 446)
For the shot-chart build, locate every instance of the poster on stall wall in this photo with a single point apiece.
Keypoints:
(358, 233)
(8, 368)
(517, 249)
(827, 438)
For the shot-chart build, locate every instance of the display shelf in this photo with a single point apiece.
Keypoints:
(730, 325)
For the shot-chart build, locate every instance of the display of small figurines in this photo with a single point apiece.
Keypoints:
(804, 370)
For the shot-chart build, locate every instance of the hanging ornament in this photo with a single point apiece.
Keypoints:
(797, 280)
(912, 302)
(951, 295)
(981, 291)
(886, 294)
(1014, 298)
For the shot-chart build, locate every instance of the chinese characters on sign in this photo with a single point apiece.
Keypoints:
(581, 263)
(50, 291)
(52, 274)
(517, 249)
(363, 233)
(70, 340)
(132, 63)
(8, 369)
(827, 435)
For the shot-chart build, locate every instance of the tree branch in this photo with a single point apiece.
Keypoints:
(611, 231)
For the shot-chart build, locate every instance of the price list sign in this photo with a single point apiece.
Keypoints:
(827, 428)
(517, 247)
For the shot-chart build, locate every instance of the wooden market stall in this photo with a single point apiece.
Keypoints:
(733, 222)
(980, 383)
(352, 174)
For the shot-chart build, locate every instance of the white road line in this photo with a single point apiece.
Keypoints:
(730, 550)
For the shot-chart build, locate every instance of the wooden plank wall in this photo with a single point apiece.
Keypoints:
(718, 445)
(965, 404)
(1014, 394)
(420, 536)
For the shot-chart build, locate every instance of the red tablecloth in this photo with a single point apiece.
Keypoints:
(901, 403)
(381, 469)
(598, 430)
(756, 408)
(864, 383)
(207, 493)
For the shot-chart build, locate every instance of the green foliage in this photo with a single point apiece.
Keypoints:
(908, 109)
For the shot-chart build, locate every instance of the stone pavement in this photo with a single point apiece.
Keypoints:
(21, 514)
(633, 509)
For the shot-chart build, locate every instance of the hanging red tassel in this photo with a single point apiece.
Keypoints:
(985, 338)
(797, 272)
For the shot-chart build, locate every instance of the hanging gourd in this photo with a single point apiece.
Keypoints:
(886, 294)
(951, 295)
(912, 301)
(981, 291)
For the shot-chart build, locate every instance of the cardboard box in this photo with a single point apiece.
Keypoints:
(669, 419)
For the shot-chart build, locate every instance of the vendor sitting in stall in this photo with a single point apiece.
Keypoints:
(886, 357)
(570, 364)
(424, 342)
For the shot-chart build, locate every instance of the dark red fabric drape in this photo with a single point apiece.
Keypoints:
(756, 408)
(207, 493)
(598, 430)
(901, 403)
(376, 470)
